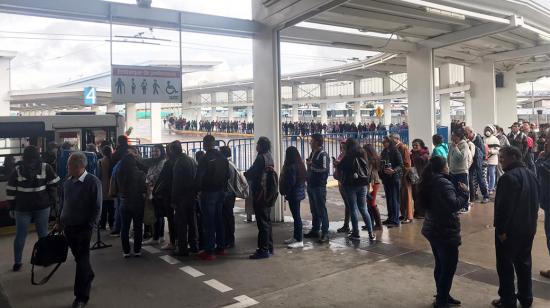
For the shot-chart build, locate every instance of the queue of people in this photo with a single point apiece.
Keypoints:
(195, 196)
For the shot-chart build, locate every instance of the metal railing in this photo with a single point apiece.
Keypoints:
(243, 150)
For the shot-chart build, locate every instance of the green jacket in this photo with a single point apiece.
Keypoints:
(441, 150)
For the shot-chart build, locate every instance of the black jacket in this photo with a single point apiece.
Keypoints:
(254, 173)
(184, 178)
(443, 200)
(213, 172)
(131, 182)
(517, 203)
(32, 187)
(393, 157)
(163, 186)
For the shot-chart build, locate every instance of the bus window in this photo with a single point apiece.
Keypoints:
(67, 137)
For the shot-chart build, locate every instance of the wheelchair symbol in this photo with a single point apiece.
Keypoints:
(170, 89)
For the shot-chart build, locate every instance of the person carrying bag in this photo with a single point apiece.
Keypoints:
(49, 250)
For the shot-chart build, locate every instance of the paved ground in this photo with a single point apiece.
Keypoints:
(395, 271)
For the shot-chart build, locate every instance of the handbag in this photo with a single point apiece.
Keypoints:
(51, 249)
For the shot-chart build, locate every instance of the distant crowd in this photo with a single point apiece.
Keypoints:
(210, 126)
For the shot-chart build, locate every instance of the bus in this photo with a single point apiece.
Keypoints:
(74, 128)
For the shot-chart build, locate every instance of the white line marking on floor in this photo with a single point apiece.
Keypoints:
(151, 249)
(218, 285)
(191, 271)
(169, 259)
(243, 301)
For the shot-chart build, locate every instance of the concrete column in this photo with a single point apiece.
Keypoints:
(250, 96)
(324, 116)
(156, 123)
(482, 91)
(111, 108)
(249, 114)
(295, 113)
(5, 71)
(468, 108)
(506, 100)
(420, 89)
(357, 115)
(131, 115)
(267, 102)
(386, 90)
(230, 113)
(445, 99)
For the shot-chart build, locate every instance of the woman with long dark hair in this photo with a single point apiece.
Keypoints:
(292, 186)
(390, 173)
(355, 185)
(374, 168)
(420, 155)
(442, 201)
(263, 160)
(155, 164)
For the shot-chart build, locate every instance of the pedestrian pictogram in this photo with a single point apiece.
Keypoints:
(146, 84)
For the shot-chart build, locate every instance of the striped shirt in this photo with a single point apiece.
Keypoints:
(32, 189)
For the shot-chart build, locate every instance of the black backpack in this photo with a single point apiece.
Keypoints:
(269, 187)
(217, 173)
(51, 249)
(360, 174)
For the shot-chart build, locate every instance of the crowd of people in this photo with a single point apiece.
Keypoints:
(195, 197)
(222, 126)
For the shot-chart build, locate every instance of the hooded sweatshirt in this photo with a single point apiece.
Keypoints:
(459, 158)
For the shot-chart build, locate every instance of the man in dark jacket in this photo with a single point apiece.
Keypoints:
(212, 178)
(519, 140)
(80, 212)
(162, 193)
(184, 198)
(515, 221)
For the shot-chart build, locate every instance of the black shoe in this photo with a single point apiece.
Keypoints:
(354, 236)
(386, 222)
(17, 267)
(364, 228)
(453, 302)
(435, 305)
(344, 229)
(311, 234)
(79, 304)
(498, 303)
(324, 239)
(392, 225)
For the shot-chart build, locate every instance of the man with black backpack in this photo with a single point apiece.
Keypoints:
(317, 174)
(212, 179)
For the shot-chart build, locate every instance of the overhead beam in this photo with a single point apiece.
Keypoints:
(311, 36)
(472, 33)
(281, 14)
(363, 13)
(519, 53)
(525, 68)
(131, 15)
(532, 76)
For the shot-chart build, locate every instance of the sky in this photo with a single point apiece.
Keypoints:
(54, 51)
(51, 51)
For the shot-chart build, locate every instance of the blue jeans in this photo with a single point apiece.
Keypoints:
(22, 222)
(317, 203)
(392, 189)
(492, 176)
(460, 178)
(294, 206)
(357, 200)
(212, 220)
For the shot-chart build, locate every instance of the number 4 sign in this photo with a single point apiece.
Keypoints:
(89, 96)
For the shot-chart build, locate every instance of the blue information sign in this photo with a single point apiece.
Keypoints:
(89, 96)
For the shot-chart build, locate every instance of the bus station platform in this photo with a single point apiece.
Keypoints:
(394, 271)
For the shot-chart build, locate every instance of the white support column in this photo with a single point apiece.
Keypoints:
(357, 104)
(421, 94)
(324, 116)
(131, 120)
(213, 115)
(445, 99)
(468, 108)
(249, 114)
(482, 91)
(506, 100)
(295, 113)
(386, 90)
(5, 86)
(267, 103)
(156, 123)
(111, 107)
(230, 114)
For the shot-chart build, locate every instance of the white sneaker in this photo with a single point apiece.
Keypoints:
(290, 241)
(168, 246)
(126, 255)
(150, 242)
(296, 245)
